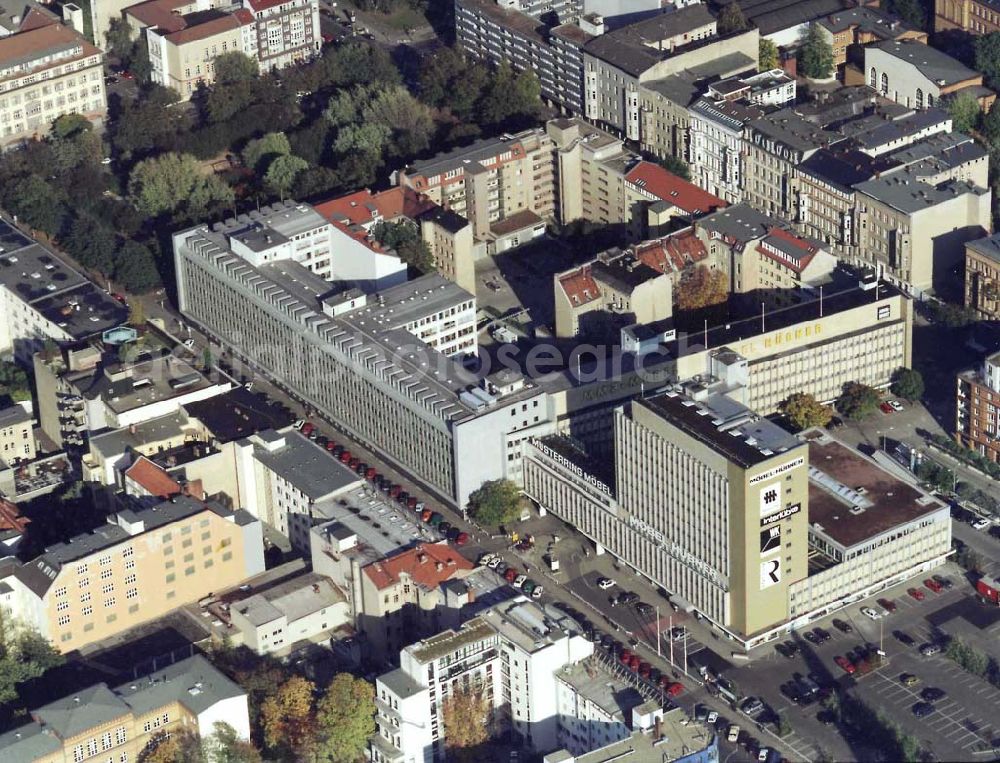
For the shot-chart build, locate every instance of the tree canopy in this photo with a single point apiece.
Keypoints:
(171, 182)
(345, 719)
(804, 411)
(767, 55)
(816, 54)
(987, 50)
(701, 287)
(857, 401)
(496, 502)
(405, 239)
(466, 715)
(24, 654)
(731, 19)
(965, 112)
(908, 384)
(260, 152)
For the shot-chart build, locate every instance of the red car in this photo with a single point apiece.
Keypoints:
(126, 74)
(886, 408)
(394, 491)
(354, 462)
(346, 457)
(425, 515)
(411, 502)
(644, 668)
(307, 428)
(845, 663)
(461, 539)
(625, 656)
(888, 605)
(331, 445)
(634, 662)
(510, 575)
(370, 473)
(916, 593)
(675, 689)
(935, 586)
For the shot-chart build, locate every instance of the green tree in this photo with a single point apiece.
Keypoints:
(260, 152)
(405, 239)
(406, 119)
(37, 203)
(14, 382)
(988, 57)
(224, 746)
(448, 80)
(282, 172)
(816, 54)
(358, 63)
(908, 384)
(171, 182)
(345, 719)
(467, 719)
(119, 40)
(731, 20)
(287, 719)
(149, 123)
(675, 166)
(369, 140)
(70, 125)
(804, 411)
(496, 502)
(135, 267)
(91, 242)
(767, 55)
(234, 67)
(910, 11)
(857, 401)
(24, 654)
(701, 287)
(965, 112)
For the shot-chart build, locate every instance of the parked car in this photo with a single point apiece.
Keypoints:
(519, 581)
(895, 405)
(462, 538)
(845, 664)
(452, 533)
(908, 679)
(888, 605)
(903, 637)
(675, 689)
(933, 585)
(842, 626)
(644, 609)
(980, 524)
(810, 637)
(945, 582)
(933, 694)
(677, 633)
(528, 586)
(869, 612)
(822, 634)
(733, 734)
(916, 593)
(537, 591)
(510, 575)
(444, 528)
(605, 583)
(886, 408)
(923, 709)
(752, 706)
(928, 650)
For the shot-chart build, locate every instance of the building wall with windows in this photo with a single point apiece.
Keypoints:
(135, 569)
(977, 411)
(982, 276)
(973, 16)
(116, 724)
(17, 438)
(45, 73)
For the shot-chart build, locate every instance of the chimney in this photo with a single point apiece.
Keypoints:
(438, 566)
(131, 428)
(421, 558)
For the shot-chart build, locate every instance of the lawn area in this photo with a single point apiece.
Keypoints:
(399, 20)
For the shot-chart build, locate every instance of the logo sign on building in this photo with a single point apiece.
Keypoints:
(785, 513)
(567, 464)
(777, 470)
(770, 573)
(884, 311)
(770, 499)
(770, 541)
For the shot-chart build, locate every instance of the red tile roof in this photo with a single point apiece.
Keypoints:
(43, 41)
(36, 18)
(263, 5)
(10, 517)
(159, 14)
(358, 208)
(672, 253)
(427, 565)
(152, 478)
(580, 286)
(801, 251)
(657, 182)
(226, 23)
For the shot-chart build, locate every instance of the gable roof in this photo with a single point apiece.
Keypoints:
(361, 207)
(74, 714)
(656, 181)
(152, 478)
(788, 249)
(938, 67)
(427, 565)
(672, 253)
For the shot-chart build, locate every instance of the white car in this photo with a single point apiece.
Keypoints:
(485, 559)
(895, 405)
(763, 754)
(874, 614)
(537, 592)
(712, 718)
(494, 563)
(189, 343)
(519, 580)
(980, 524)
(734, 733)
(605, 583)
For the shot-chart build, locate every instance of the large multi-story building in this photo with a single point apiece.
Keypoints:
(512, 33)
(384, 367)
(757, 530)
(511, 654)
(982, 276)
(977, 413)
(116, 724)
(973, 16)
(492, 181)
(46, 71)
(849, 29)
(43, 298)
(144, 562)
(185, 36)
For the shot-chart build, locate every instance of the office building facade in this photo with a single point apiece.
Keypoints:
(977, 410)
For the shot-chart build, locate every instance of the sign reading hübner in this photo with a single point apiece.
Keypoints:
(775, 471)
(590, 479)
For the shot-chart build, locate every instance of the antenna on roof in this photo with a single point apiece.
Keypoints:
(821, 301)
(762, 329)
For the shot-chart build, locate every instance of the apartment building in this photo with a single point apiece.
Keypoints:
(47, 71)
(402, 597)
(849, 29)
(43, 298)
(185, 36)
(977, 421)
(490, 181)
(919, 76)
(614, 290)
(511, 32)
(285, 478)
(143, 563)
(117, 724)
(982, 276)
(913, 230)
(386, 368)
(511, 654)
(17, 437)
(973, 16)
(85, 388)
(449, 238)
(602, 183)
(716, 145)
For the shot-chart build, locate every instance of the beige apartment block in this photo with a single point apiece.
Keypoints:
(47, 72)
(17, 440)
(136, 568)
(449, 237)
(982, 276)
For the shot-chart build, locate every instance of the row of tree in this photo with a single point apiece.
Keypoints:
(857, 401)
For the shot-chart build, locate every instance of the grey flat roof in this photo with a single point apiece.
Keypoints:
(74, 714)
(438, 164)
(743, 440)
(988, 246)
(171, 510)
(771, 16)
(194, 683)
(13, 414)
(28, 744)
(740, 222)
(172, 426)
(895, 129)
(295, 598)
(867, 19)
(307, 466)
(786, 126)
(400, 683)
(594, 681)
(905, 191)
(930, 62)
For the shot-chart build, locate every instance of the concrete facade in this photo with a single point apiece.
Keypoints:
(982, 276)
